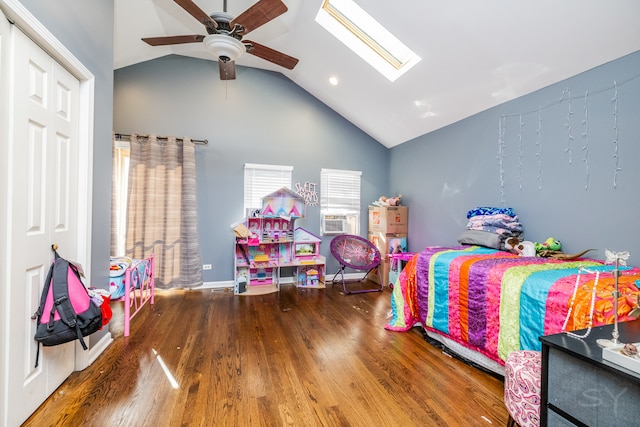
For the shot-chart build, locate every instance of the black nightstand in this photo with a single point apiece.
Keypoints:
(580, 388)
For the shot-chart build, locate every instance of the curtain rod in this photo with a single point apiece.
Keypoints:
(195, 141)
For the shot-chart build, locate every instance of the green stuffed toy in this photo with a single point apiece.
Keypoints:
(550, 244)
(552, 248)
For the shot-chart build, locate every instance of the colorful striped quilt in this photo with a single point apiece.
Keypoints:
(495, 302)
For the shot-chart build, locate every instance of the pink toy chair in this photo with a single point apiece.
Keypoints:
(356, 253)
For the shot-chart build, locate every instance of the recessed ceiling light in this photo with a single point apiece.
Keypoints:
(333, 80)
(365, 36)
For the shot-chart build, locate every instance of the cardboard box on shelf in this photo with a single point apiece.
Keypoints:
(388, 219)
(388, 243)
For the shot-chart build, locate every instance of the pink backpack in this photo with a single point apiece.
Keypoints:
(66, 312)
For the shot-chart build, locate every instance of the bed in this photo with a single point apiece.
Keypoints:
(483, 303)
(133, 283)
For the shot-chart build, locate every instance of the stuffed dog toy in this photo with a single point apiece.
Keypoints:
(522, 248)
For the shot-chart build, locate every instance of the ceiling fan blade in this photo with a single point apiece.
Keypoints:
(227, 70)
(259, 14)
(271, 55)
(163, 41)
(199, 14)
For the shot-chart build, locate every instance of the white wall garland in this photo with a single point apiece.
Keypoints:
(616, 134)
(567, 150)
(568, 98)
(539, 145)
(585, 137)
(501, 145)
(520, 152)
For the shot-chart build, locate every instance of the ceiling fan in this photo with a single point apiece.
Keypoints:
(225, 35)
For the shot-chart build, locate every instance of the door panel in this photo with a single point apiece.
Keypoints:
(4, 197)
(42, 186)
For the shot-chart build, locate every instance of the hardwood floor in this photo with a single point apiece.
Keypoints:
(301, 357)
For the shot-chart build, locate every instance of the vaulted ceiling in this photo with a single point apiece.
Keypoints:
(475, 54)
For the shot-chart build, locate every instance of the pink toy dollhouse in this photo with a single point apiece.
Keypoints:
(308, 277)
(306, 245)
(271, 243)
(283, 203)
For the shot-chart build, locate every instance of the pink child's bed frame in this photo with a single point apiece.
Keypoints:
(139, 289)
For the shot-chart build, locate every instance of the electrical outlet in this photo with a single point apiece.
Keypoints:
(206, 266)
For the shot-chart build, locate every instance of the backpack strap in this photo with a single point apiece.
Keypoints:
(37, 353)
(61, 300)
(58, 273)
(43, 299)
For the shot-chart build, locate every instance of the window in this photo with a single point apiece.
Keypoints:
(366, 37)
(340, 202)
(119, 199)
(260, 180)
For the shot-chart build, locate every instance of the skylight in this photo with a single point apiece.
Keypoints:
(354, 27)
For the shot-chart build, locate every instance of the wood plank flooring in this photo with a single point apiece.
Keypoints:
(301, 357)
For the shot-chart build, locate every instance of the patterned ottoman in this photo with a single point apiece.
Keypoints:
(522, 387)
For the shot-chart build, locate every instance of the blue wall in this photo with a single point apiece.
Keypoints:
(562, 187)
(264, 118)
(261, 117)
(86, 29)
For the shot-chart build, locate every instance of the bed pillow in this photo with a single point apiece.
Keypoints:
(481, 238)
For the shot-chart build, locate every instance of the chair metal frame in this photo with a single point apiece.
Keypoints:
(356, 253)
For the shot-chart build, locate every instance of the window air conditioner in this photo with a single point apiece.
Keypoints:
(334, 224)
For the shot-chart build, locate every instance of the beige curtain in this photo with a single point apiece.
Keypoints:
(161, 209)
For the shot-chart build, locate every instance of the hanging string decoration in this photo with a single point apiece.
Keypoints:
(567, 125)
(539, 145)
(501, 145)
(566, 96)
(615, 133)
(520, 152)
(585, 136)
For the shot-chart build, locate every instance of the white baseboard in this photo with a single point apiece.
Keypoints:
(225, 284)
(215, 285)
(84, 358)
(348, 276)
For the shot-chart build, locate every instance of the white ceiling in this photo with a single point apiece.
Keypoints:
(475, 54)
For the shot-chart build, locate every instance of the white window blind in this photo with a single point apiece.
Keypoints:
(260, 180)
(340, 195)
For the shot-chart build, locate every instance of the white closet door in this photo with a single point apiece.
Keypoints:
(42, 209)
(4, 226)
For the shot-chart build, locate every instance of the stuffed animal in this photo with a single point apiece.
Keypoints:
(552, 248)
(388, 201)
(550, 244)
(547, 253)
(394, 201)
(522, 248)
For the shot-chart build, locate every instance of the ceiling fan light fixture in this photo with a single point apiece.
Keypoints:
(226, 33)
(224, 47)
